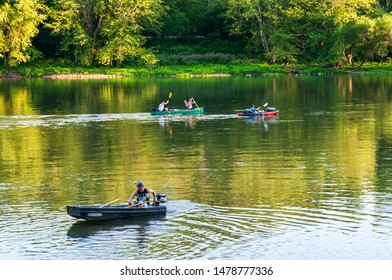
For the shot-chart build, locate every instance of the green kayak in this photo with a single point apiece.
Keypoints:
(196, 111)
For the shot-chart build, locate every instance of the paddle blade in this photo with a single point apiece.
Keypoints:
(170, 94)
(265, 105)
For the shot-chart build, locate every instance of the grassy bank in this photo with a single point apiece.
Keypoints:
(230, 69)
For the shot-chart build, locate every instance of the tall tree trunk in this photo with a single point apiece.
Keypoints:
(349, 58)
(5, 56)
(261, 30)
(97, 29)
(93, 45)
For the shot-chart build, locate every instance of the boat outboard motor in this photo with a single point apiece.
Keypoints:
(161, 197)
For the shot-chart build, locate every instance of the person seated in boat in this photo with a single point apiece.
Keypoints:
(161, 106)
(189, 103)
(253, 110)
(141, 195)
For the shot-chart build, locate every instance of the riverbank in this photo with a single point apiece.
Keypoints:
(199, 70)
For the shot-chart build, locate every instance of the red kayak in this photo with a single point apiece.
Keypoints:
(268, 112)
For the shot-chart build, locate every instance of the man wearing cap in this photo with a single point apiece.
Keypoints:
(141, 194)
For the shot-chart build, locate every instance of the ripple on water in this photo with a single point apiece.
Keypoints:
(196, 231)
(55, 121)
(258, 227)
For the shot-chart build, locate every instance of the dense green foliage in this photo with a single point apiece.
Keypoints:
(191, 32)
(19, 22)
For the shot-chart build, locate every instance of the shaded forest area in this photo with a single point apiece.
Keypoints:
(123, 33)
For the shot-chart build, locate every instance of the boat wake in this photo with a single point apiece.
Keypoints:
(24, 121)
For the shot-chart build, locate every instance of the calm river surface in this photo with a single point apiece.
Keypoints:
(313, 183)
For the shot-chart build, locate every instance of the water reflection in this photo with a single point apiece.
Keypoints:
(311, 183)
(163, 122)
(139, 225)
(189, 121)
(260, 120)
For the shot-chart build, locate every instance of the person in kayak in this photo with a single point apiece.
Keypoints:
(161, 106)
(253, 110)
(141, 195)
(189, 103)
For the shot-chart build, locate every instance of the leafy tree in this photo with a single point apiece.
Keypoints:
(122, 24)
(366, 39)
(19, 20)
(105, 30)
(383, 36)
(297, 30)
(75, 21)
(300, 31)
(111, 32)
(254, 17)
(344, 14)
(358, 37)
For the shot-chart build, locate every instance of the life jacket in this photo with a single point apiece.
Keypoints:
(142, 196)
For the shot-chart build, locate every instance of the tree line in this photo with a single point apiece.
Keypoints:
(117, 32)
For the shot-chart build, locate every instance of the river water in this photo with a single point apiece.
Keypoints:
(313, 183)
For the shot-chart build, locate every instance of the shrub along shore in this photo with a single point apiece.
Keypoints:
(198, 70)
